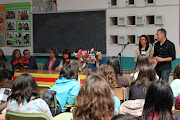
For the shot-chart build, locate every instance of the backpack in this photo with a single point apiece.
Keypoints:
(50, 96)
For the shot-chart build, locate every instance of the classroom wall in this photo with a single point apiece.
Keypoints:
(168, 8)
(171, 24)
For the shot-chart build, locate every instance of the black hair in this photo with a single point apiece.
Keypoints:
(159, 98)
(25, 51)
(147, 43)
(125, 117)
(114, 62)
(66, 51)
(3, 55)
(3, 74)
(77, 50)
(24, 87)
(69, 71)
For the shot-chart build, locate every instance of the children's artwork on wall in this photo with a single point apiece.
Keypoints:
(2, 39)
(23, 26)
(2, 28)
(44, 5)
(26, 38)
(2, 25)
(10, 14)
(1, 17)
(17, 35)
(9, 42)
(9, 35)
(17, 42)
(22, 14)
(10, 25)
(17, 24)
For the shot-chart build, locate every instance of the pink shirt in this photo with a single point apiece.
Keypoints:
(51, 63)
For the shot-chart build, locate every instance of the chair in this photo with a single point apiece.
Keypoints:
(177, 112)
(122, 93)
(40, 66)
(14, 115)
(43, 88)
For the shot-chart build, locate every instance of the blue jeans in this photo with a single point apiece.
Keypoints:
(164, 74)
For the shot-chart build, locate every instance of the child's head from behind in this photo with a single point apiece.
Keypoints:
(24, 87)
(95, 100)
(141, 61)
(114, 62)
(176, 74)
(3, 76)
(146, 75)
(69, 71)
(109, 75)
(159, 97)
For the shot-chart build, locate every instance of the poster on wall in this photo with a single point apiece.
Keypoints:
(44, 6)
(17, 24)
(2, 25)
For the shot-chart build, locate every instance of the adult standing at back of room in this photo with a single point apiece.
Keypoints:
(164, 53)
(144, 48)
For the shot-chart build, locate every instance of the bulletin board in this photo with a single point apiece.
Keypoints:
(2, 25)
(17, 24)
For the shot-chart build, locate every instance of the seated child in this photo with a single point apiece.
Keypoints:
(66, 86)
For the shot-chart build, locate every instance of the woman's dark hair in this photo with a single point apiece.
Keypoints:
(114, 62)
(141, 61)
(24, 87)
(14, 55)
(69, 71)
(159, 98)
(78, 50)
(2, 62)
(124, 117)
(146, 75)
(55, 51)
(75, 57)
(147, 43)
(66, 51)
(3, 56)
(95, 52)
(176, 74)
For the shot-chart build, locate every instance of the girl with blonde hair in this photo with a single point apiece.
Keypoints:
(95, 100)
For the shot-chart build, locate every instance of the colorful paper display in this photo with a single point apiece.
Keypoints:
(2, 25)
(15, 24)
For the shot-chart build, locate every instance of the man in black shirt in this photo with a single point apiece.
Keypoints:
(164, 53)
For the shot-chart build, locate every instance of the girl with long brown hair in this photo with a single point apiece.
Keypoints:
(95, 100)
(138, 88)
(110, 76)
(16, 55)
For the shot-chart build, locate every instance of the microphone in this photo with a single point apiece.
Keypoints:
(126, 44)
(123, 48)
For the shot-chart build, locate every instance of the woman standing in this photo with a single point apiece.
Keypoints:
(144, 48)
